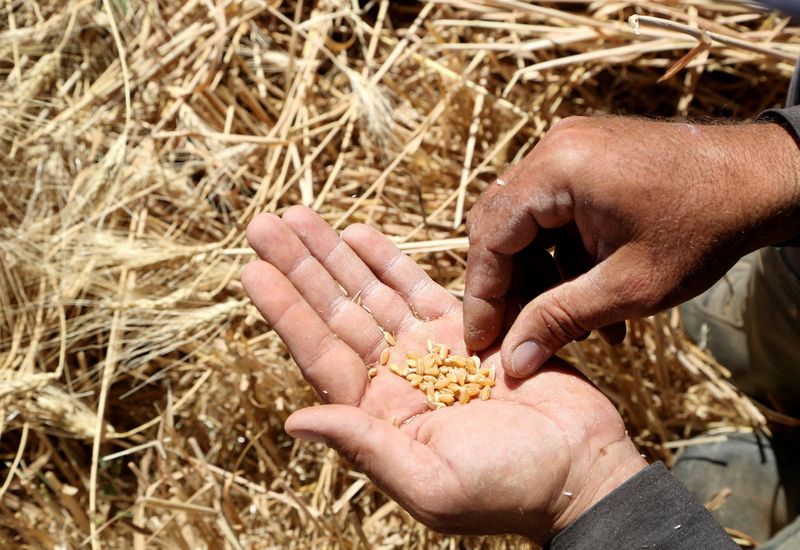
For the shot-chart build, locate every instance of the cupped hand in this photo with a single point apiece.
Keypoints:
(529, 460)
(643, 215)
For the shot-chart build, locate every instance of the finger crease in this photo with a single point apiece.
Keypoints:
(377, 347)
(406, 323)
(322, 347)
(297, 265)
(326, 258)
(369, 288)
(417, 289)
(390, 266)
(299, 302)
(336, 306)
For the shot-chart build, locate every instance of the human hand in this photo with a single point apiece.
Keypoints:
(530, 460)
(643, 215)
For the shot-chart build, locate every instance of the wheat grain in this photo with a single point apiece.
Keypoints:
(443, 376)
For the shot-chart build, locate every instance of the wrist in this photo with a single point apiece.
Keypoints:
(591, 478)
(612, 467)
(775, 159)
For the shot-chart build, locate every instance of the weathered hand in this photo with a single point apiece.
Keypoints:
(530, 460)
(643, 215)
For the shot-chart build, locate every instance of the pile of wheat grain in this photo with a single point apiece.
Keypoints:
(141, 396)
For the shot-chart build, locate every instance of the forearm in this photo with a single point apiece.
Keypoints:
(762, 182)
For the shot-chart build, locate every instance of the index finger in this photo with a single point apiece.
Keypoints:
(499, 225)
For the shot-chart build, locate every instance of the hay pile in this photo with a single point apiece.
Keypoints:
(141, 396)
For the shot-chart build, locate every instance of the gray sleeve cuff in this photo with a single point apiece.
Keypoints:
(786, 6)
(650, 510)
(789, 118)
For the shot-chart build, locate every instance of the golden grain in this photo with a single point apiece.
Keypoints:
(389, 337)
(433, 371)
(435, 405)
(441, 383)
(443, 376)
(457, 361)
(372, 372)
(397, 369)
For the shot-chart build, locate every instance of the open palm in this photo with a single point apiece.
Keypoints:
(530, 460)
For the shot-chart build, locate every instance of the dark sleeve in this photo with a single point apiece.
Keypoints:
(650, 510)
(787, 6)
(789, 118)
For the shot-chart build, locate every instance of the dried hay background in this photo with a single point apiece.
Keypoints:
(141, 396)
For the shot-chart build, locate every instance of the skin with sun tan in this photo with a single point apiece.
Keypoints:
(529, 460)
(642, 215)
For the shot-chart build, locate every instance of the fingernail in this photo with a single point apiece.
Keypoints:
(527, 357)
(305, 435)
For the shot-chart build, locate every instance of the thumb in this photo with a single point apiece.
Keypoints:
(566, 313)
(384, 452)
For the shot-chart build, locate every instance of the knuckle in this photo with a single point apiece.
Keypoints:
(474, 220)
(561, 324)
(567, 148)
(472, 231)
(569, 122)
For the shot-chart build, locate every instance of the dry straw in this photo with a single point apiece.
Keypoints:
(141, 396)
